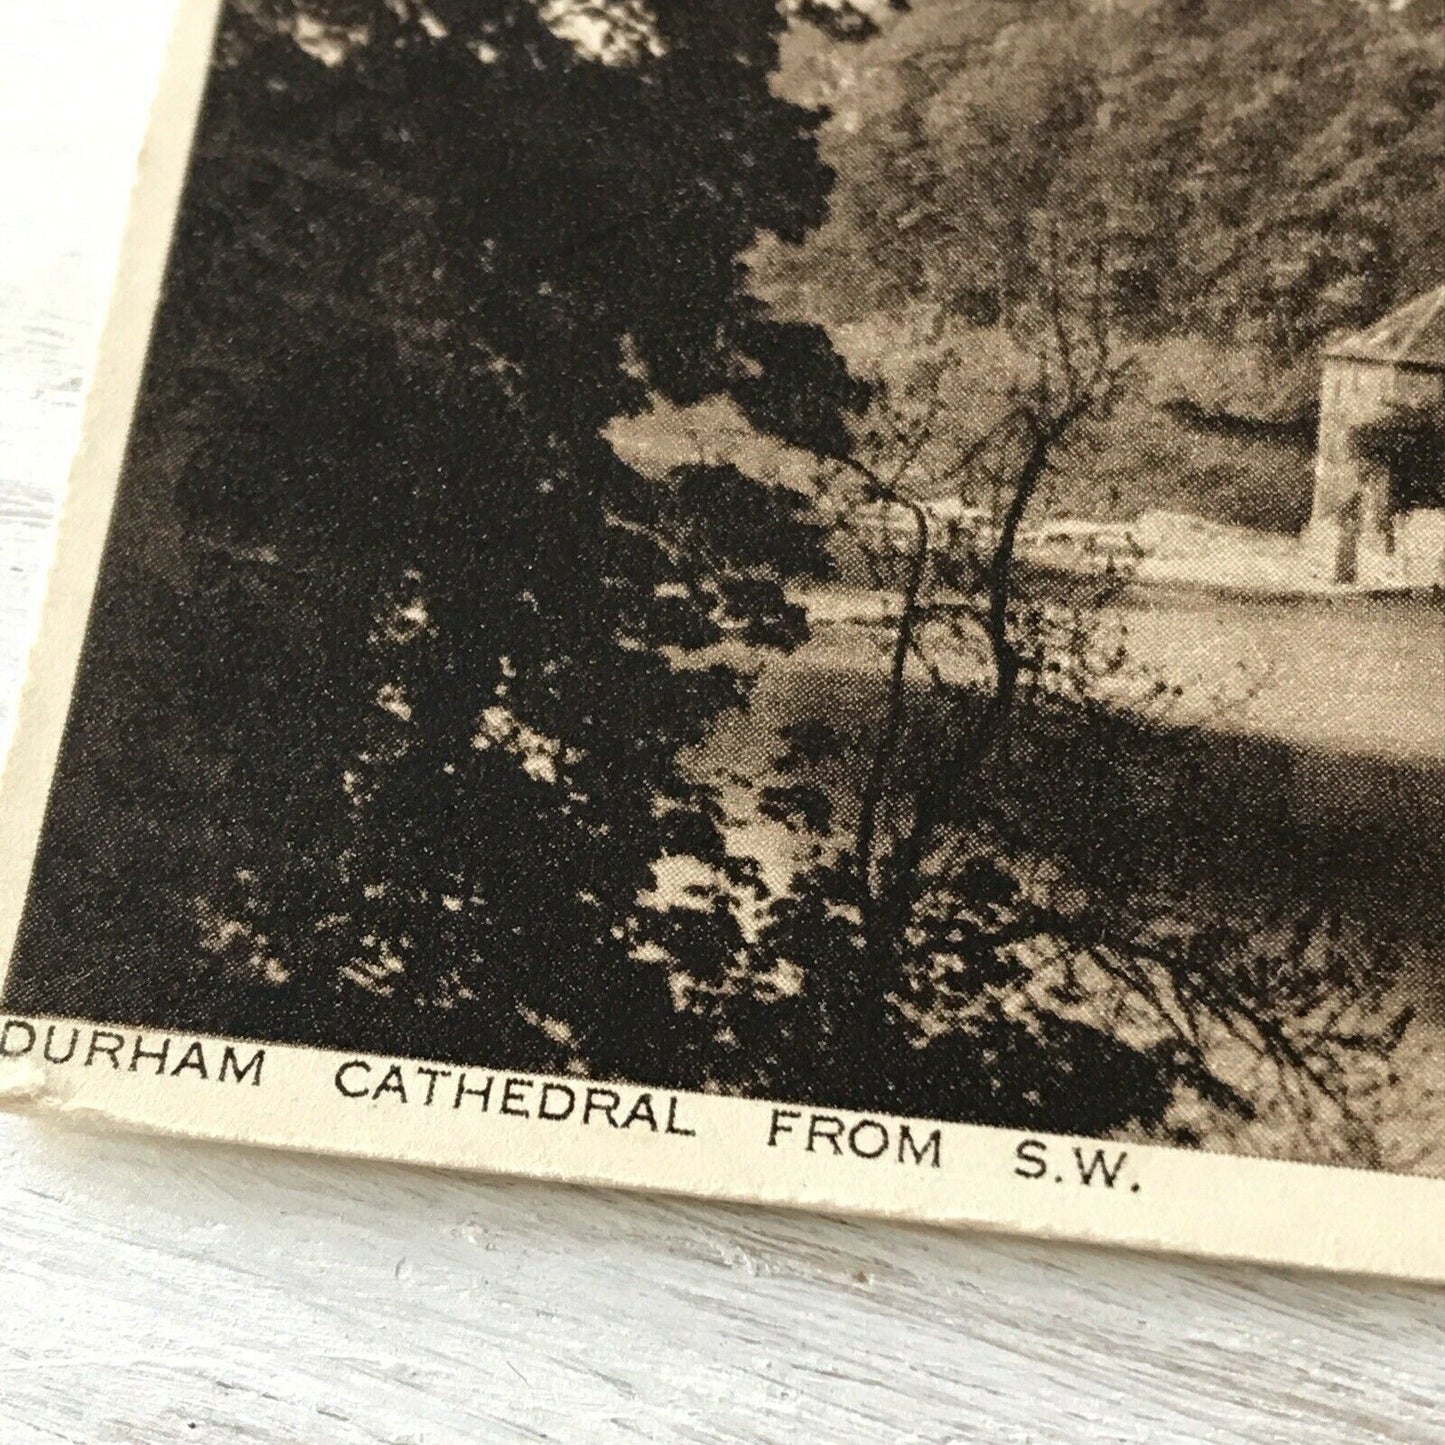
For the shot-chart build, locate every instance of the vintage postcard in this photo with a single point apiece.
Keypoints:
(831, 602)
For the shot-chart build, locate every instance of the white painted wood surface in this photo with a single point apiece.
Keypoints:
(156, 1292)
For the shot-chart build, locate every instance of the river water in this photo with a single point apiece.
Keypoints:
(1348, 674)
(1310, 762)
(1356, 675)
(1302, 767)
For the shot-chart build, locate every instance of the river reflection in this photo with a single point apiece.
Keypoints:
(1303, 764)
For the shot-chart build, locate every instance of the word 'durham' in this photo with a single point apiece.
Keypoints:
(135, 1053)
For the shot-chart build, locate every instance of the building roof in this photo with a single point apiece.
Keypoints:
(1411, 335)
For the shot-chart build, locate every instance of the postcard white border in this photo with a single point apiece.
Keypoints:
(720, 1147)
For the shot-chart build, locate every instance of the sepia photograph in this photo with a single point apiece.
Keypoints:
(881, 556)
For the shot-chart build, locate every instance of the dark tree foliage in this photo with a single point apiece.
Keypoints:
(440, 648)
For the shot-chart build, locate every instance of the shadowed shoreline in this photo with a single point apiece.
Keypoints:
(1232, 818)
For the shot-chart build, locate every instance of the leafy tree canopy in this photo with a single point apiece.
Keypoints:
(441, 647)
(1264, 173)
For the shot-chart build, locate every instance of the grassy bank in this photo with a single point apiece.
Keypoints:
(1175, 440)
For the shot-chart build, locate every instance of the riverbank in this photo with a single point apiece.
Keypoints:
(1161, 548)
(1177, 549)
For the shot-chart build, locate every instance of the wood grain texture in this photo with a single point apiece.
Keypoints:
(157, 1292)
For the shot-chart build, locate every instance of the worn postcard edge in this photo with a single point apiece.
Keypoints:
(481, 1118)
